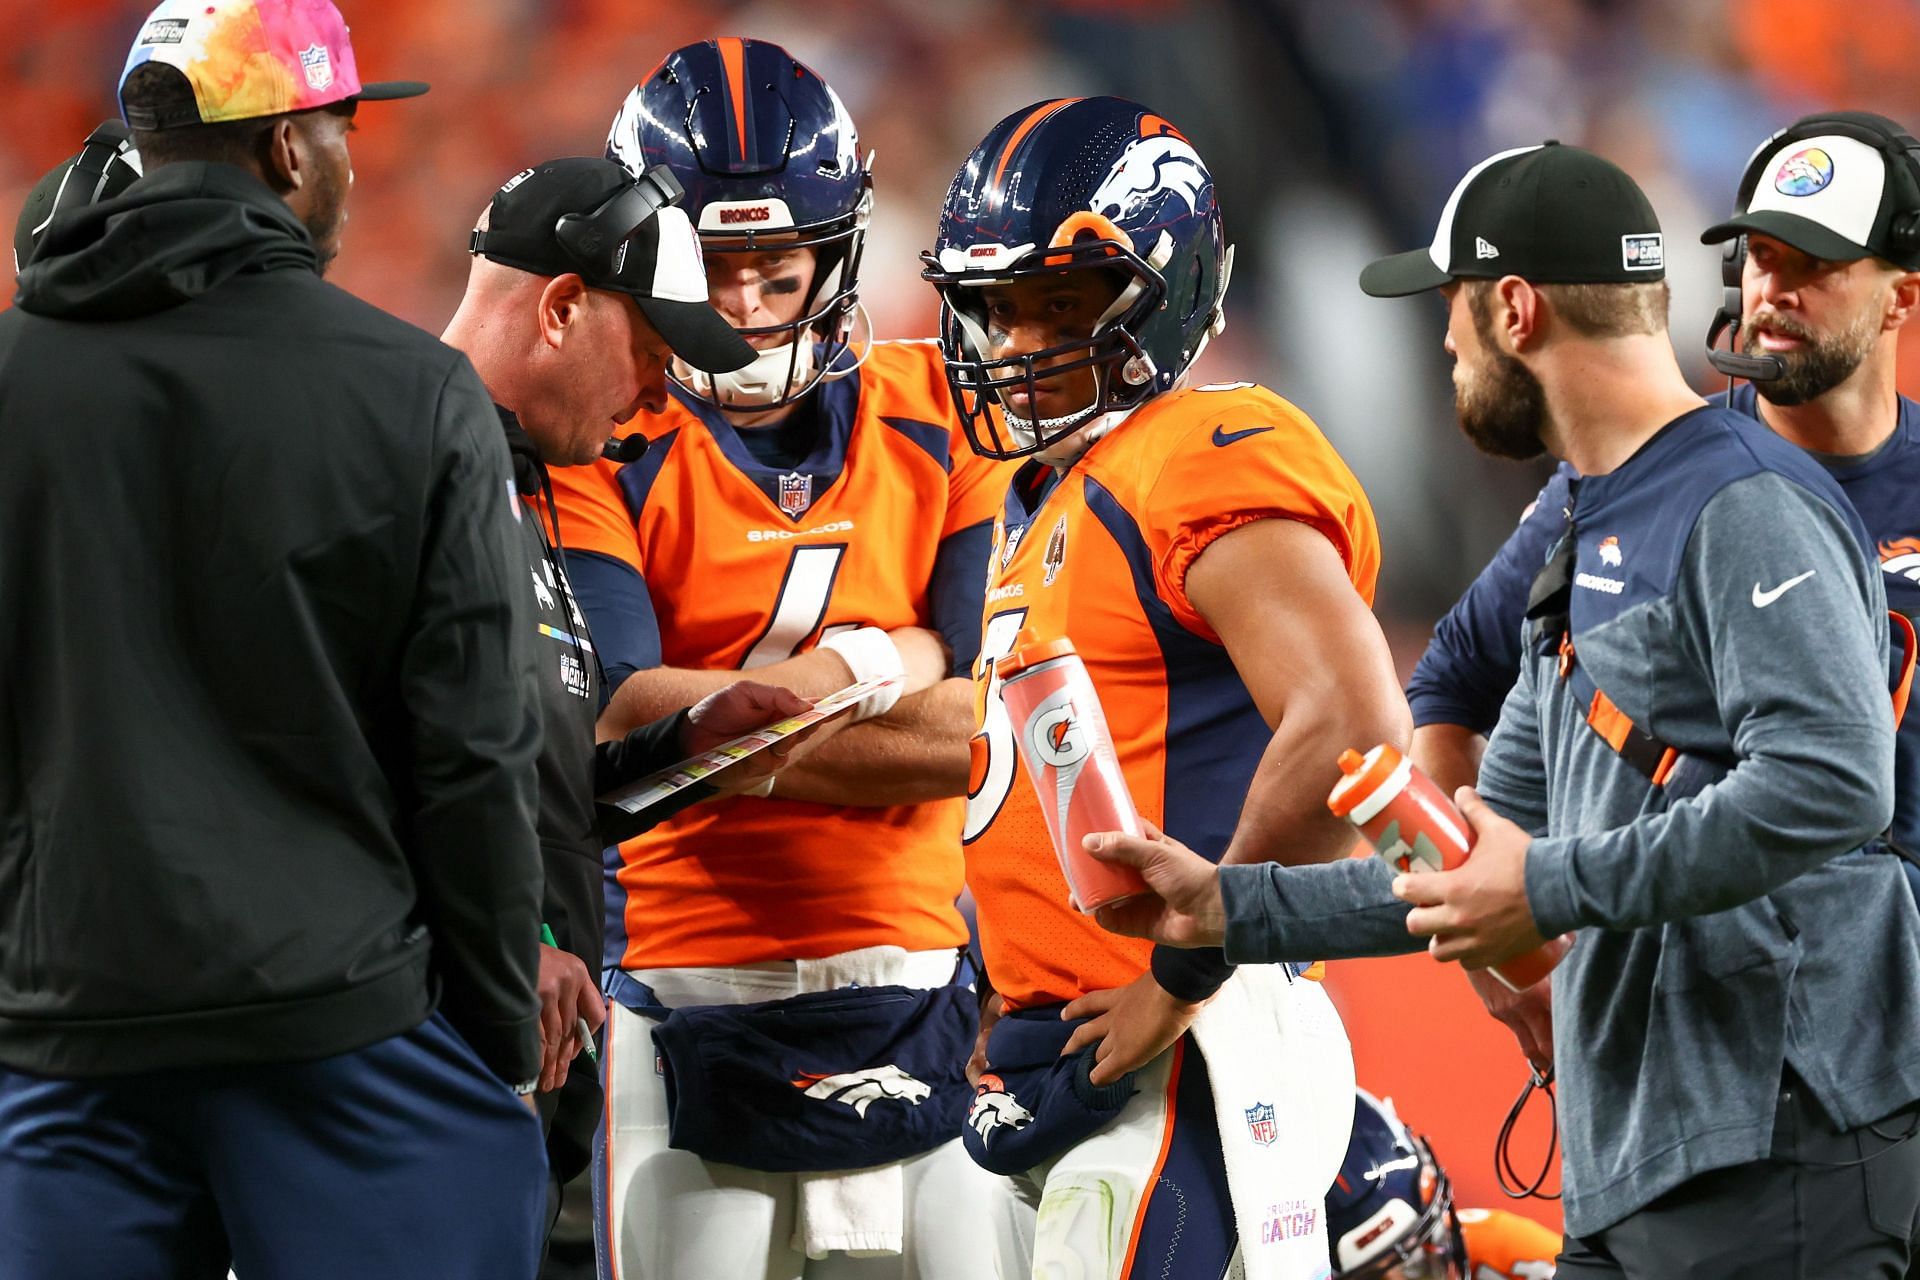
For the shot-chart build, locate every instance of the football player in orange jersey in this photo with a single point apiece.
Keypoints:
(1213, 561)
(815, 517)
(1390, 1214)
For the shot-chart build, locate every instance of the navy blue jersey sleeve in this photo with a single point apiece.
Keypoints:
(619, 612)
(1474, 656)
(957, 590)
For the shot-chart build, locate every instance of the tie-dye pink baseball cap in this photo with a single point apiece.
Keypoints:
(249, 58)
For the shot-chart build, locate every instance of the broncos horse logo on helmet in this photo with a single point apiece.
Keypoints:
(1150, 170)
(768, 158)
(1392, 1204)
(1079, 184)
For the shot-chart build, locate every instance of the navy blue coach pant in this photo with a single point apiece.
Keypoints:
(406, 1158)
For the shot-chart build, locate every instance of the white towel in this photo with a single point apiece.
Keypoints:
(1282, 1074)
(862, 1211)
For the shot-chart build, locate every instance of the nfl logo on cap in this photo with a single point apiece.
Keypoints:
(796, 493)
(318, 64)
(1260, 1123)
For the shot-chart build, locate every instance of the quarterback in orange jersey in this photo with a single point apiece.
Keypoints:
(1213, 561)
(1390, 1214)
(785, 970)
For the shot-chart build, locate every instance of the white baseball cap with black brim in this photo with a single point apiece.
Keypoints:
(1839, 186)
(587, 216)
(1550, 214)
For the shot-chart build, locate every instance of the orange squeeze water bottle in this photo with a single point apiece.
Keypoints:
(1410, 822)
(1064, 742)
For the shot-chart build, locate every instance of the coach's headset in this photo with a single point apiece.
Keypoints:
(1901, 151)
(597, 243)
(85, 181)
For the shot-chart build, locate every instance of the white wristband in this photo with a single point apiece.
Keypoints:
(871, 655)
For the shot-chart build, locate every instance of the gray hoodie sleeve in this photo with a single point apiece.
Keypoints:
(1513, 772)
(1341, 910)
(1783, 614)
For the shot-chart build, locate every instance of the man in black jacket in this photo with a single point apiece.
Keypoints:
(584, 282)
(269, 883)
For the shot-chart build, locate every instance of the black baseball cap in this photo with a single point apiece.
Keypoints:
(1833, 185)
(106, 165)
(1550, 214)
(588, 216)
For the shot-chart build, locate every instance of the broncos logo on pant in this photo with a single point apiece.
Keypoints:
(861, 1089)
(993, 1106)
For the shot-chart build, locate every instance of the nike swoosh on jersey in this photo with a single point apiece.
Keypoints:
(1761, 599)
(1222, 437)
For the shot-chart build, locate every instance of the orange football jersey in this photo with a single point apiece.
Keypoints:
(748, 567)
(1100, 556)
(1506, 1246)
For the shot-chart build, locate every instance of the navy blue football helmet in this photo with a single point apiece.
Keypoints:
(1079, 184)
(1392, 1205)
(768, 157)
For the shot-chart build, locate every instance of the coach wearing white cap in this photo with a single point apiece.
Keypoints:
(1692, 772)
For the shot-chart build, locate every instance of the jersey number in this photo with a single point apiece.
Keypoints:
(802, 604)
(993, 776)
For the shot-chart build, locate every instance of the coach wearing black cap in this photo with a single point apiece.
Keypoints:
(1816, 346)
(584, 283)
(1699, 746)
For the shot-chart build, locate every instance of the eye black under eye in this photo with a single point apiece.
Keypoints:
(781, 285)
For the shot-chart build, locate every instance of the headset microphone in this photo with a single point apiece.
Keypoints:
(630, 449)
(1733, 362)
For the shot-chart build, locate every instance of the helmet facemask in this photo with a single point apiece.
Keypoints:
(823, 343)
(1124, 374)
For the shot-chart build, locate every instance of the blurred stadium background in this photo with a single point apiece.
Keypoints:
(1335, 129)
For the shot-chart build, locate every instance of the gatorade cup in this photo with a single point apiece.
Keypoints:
(1070, 759)
(1412, 824)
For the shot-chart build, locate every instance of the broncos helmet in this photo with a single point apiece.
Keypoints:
(1077, 184)
(768, 157)
(1392, 1204)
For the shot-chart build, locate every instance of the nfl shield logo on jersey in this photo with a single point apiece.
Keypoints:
(1260, 1123)
(796, 493)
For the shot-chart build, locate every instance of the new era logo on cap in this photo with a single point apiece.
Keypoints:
(1481, 249)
